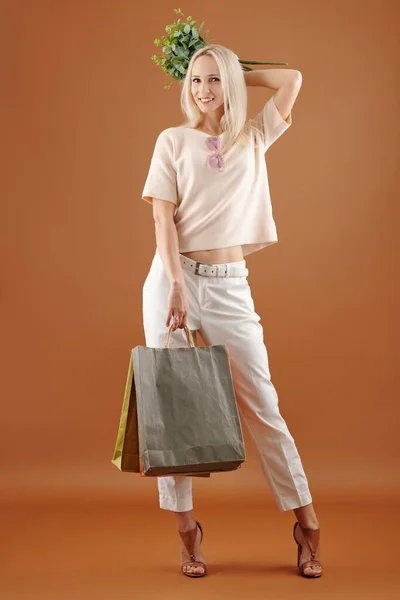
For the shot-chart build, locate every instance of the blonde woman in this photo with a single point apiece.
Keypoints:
(208, 186)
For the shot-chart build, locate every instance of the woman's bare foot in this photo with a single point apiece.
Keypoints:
(186, 522)
(312, 570)
(307, 518)
(198, 555)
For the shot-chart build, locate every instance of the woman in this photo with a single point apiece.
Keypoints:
(208, 186)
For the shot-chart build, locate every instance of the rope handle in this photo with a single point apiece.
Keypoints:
(189, 336)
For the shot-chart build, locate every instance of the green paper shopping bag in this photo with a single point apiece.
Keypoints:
(126, 452)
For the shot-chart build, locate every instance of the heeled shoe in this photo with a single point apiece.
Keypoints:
(189, 540)
(312, 538)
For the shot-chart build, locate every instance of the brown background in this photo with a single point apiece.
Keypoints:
(82, 106)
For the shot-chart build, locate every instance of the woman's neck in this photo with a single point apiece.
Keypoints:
(211, 124)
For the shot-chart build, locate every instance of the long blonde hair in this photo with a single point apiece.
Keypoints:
(234, 120)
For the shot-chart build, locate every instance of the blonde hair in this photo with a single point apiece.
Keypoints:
(234, 120)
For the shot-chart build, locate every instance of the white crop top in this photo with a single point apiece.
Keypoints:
(217, 208)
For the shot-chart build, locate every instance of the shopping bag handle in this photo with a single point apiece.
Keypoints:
(189, 336)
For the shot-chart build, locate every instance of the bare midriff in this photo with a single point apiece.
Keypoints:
(217, 256)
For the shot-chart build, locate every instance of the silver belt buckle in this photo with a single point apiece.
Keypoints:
(217, 267)
(196, 270)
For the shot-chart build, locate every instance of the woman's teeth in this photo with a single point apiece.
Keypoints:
(206, 100)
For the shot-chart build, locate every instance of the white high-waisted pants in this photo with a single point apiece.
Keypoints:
(222, 310)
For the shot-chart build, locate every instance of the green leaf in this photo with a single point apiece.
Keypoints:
(181, 51)
(186, 29)
(195, 33)
(201, 25)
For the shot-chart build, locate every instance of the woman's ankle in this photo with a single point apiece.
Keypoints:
(306, 516)
(185, 520)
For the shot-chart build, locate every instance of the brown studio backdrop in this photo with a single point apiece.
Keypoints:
(83, 106)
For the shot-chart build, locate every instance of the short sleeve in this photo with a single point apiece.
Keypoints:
(271, 123)
(161, 179)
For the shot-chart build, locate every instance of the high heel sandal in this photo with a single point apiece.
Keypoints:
(189, 540)
(312, 538)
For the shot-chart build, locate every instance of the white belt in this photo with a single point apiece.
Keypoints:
(208, 270)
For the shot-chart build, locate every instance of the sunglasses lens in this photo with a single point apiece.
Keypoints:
(215, 161)
(212, 143)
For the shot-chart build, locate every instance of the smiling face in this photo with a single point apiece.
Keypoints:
(206, 83)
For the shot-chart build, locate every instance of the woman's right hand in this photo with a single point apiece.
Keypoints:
(178, 306)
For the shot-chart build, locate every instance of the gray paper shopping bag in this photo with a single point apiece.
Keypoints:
(187, 414)
(126, 451)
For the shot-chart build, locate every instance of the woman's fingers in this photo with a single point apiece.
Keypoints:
(179, 319)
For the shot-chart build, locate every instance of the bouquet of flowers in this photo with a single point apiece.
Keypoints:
(182, 41)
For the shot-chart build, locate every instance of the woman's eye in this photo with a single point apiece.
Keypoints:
(196, 79)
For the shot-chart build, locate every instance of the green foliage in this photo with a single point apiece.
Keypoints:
(182, 41)
(179, 45)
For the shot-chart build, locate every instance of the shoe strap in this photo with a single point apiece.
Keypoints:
(193, 563)
(311, 536)
(309, 563)
(189, 540)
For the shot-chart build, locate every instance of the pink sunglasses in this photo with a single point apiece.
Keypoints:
(215, 160)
